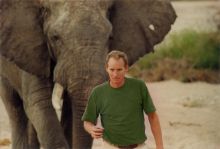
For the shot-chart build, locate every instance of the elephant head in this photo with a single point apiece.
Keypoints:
(78, 35)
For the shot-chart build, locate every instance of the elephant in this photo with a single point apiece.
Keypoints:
(64, 42)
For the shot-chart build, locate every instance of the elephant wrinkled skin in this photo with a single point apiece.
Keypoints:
(66, 41)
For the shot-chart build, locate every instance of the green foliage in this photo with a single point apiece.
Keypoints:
(202, 50)
(192, 0)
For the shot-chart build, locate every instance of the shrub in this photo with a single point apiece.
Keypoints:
(202, 50)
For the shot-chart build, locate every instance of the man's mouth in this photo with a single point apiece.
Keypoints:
(116, 78)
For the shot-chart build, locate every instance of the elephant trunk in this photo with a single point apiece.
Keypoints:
(85, 71)
(91, 74)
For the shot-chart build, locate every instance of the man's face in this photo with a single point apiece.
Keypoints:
(116, 70)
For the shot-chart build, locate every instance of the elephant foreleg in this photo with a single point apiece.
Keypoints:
(37, 97)
(32, 137)
(21, 138)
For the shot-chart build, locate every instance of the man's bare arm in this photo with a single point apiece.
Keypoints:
(156, 129)
(95, 131)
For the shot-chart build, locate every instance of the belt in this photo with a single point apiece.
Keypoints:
(128, 146)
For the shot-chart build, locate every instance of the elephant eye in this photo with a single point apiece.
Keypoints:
(55, 38)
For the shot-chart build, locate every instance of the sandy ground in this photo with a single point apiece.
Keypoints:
(189, 115)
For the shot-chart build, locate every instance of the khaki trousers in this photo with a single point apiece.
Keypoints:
(106, 145)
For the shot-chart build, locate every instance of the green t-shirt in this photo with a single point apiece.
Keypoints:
(121, 111)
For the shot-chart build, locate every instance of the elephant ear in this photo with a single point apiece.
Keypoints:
(138, 25)
(22, 39)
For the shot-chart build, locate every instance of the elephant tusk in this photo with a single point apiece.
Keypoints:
(57, 100)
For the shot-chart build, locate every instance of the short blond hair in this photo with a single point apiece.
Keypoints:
(117, 55)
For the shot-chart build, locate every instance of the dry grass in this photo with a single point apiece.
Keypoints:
(193, 103)
(181, 69)
(183, 124)
(5, 142)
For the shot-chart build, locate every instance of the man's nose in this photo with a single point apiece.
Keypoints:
(115, 74)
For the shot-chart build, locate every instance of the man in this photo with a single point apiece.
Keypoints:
(120, 102)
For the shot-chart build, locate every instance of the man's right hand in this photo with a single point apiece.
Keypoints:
(95, 131)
